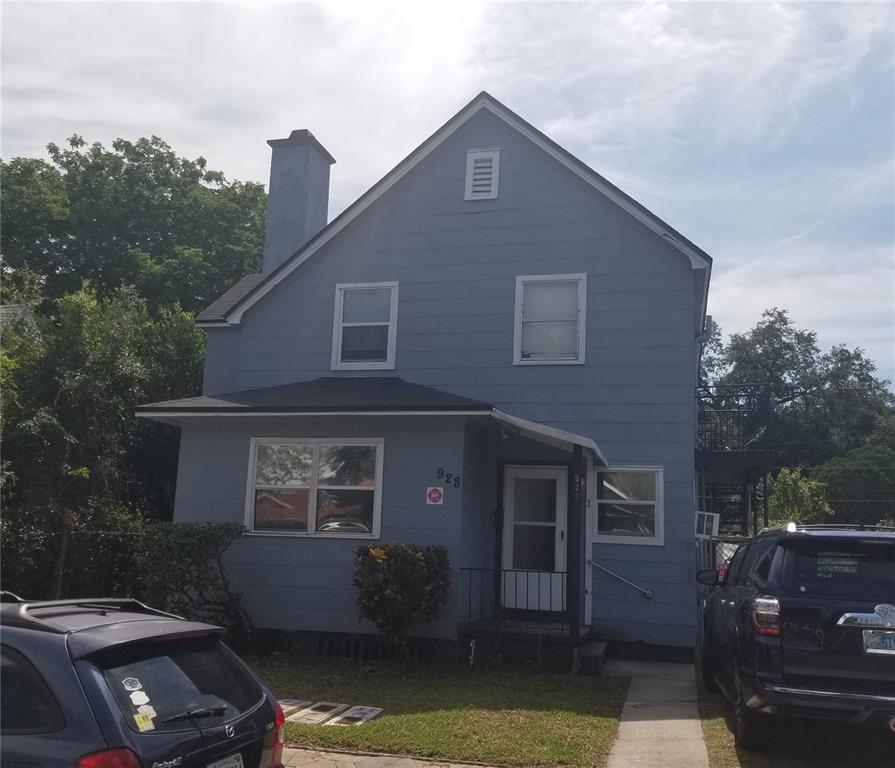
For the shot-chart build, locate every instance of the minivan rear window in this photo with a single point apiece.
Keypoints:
(157, 684)
(858, 569)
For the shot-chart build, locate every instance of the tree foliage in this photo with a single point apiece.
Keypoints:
(133, 215)
(823, 404)
(794, 497)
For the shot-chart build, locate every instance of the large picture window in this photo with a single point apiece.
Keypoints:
(629, 505)
(550, 319)
(365, 326)
(317, 486)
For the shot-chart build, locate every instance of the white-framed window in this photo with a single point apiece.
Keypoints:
(629, 505)
(306, 486)
(365, 326)
(551, 315)
(482, 174)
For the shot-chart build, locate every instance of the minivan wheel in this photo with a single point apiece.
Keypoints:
(750, 727)
(707, 668)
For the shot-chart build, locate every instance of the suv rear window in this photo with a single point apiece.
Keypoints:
(858, 569)
(157, 681)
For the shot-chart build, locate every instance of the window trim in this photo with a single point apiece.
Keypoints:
(315, 443)
(365, 365)
(652, 541)
(521, 280)
(471, 156)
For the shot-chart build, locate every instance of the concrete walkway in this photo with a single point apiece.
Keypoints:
(312, 758)
(660, 725)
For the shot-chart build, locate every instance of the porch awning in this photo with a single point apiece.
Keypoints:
(358, 396)
(559, 438)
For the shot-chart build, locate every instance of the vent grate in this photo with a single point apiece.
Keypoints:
(482, 167)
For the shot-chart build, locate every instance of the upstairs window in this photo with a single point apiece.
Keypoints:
(550, 319)
(365, 326)
(482, 174)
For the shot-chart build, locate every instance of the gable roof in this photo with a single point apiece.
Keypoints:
(230, 312)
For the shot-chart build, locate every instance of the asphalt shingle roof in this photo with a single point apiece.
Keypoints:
(328, 393)
(218, 309)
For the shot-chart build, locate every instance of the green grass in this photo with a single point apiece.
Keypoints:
(794, 743)
(507, 717)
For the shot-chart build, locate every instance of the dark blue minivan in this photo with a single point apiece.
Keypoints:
(113, 683)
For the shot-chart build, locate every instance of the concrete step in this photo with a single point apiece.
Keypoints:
(593, 656)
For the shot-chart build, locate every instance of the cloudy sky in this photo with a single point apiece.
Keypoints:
(765, 132)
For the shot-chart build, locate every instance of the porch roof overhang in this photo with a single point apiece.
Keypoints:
(356, 396)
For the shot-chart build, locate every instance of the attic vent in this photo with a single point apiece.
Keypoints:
(482, 173)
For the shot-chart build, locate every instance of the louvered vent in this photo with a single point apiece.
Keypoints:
(482, 171)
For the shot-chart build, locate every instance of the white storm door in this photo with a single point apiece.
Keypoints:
(534, 538)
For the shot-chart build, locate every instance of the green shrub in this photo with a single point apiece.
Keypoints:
(401, 585)
(182, 571)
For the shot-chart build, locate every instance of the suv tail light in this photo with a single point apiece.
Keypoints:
(110, 758)
(279, 736)
(766, 616)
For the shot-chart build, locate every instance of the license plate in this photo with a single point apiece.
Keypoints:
(233, 761)
(879, 641)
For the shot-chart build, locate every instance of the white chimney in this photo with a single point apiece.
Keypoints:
(298, 195)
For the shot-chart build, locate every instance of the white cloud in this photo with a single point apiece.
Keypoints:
(763, 131)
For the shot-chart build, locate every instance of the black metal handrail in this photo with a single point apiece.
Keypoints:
(490, 592)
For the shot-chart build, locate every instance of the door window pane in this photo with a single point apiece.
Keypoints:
(627, 520)
(365, 343)
(344, 511)
(534, 500)
(366, 305)
(282, 510)
(348, 465)
(287, 465)
(534, 547)
(550, 301)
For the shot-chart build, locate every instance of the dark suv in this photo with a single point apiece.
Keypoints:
(803, 624)
(115, 684)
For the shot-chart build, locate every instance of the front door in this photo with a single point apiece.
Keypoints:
(534, 538)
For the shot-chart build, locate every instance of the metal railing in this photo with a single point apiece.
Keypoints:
(647, 593)
(732, 418)
(489, 593)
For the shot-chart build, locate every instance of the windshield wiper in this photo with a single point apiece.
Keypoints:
(197, 713)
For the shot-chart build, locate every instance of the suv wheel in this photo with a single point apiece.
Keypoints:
(750, 728)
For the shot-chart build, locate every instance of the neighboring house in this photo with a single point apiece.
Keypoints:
(492, 319)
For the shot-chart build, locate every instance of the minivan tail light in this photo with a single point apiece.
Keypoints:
(766, 616)
(110, 758)
(279, 736)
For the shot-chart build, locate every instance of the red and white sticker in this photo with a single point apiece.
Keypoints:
(435, 494)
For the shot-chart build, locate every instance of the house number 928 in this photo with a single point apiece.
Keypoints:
(449, 477)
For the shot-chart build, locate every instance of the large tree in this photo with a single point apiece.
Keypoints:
(823, 404)
(135, 214)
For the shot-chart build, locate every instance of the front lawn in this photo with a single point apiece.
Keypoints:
(509, 717)
(795, 743)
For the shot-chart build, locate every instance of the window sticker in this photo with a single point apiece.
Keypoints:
(139, 697)
(131, 684)
(144, 722)
(147, 709)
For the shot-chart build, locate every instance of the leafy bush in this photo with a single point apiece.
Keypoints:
(793, 497)
(401, 585)
(182, 570)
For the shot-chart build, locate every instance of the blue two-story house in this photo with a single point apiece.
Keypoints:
(493, 349)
